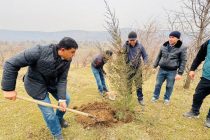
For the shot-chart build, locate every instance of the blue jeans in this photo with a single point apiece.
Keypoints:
(99, 76)
(163, 75)
(51, 118)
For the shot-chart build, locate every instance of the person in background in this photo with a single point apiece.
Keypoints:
(171, 59)
(133, 51)
(203, 88)
(98, 71)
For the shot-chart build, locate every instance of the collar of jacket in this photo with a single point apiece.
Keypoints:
(177, 45)
(55, 51)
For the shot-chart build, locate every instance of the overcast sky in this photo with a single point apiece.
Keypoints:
(58, 15)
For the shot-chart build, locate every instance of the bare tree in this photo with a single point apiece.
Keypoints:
(194, 21)
(87, 58)
(112, 26)
(151, 39)
(99, 47)
(2, 56)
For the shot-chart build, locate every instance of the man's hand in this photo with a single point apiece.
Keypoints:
(11, 95)
(63, 106)
(178, 77)
(192, 74)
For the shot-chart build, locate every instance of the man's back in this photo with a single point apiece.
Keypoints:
(45, 70)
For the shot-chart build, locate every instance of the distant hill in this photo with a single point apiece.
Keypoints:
(79, 35)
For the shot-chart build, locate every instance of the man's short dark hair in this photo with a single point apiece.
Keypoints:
(132, 35)
(67, 43)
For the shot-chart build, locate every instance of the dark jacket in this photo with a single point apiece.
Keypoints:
(98, 62)
(133, 54)
(172, 58)
(203, 54)
(47, 72)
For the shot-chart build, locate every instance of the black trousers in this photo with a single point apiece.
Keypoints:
(202, 90)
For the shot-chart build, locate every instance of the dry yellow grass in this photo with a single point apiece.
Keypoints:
(22, 120)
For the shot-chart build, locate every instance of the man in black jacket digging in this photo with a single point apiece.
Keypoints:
(48, 68)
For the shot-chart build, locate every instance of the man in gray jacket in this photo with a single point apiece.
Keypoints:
(133, 53)
(48, 68)
(171, 59)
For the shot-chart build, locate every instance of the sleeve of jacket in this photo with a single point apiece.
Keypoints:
(157, 59)
(183, 61)
(199, 57)
(144, 55)
(94, 62)
(62, 84)
(13, 65)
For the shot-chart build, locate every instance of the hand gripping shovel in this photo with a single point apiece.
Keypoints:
(55, 106)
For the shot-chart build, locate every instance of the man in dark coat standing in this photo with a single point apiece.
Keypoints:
(171, 59)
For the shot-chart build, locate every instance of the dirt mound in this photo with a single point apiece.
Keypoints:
(125, 116)
(105, 115)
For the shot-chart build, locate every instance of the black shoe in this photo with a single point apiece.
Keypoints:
(63, 123)
(191, 114)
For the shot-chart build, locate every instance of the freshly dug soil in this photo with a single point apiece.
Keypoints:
(126, 117)
(105, 115)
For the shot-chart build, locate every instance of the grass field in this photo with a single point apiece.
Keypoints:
(21, 120)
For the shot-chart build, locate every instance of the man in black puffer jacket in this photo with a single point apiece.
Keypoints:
(171, 59)
(48, 68)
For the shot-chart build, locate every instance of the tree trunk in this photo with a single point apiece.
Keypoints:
(187, 82)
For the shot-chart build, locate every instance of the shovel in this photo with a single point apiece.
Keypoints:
(55, 106)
